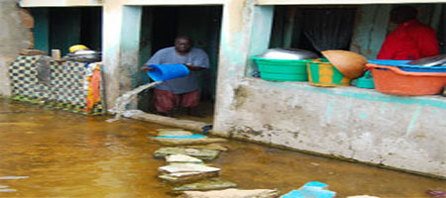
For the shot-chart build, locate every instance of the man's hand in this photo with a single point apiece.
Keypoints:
(193, 68)
(146, 68)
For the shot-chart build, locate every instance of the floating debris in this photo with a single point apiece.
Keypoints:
(204, 154)
(195, 139)
(177, 137)
(206, 129)
(232, 193)
(1, 186)
(14, 177)
(436, 193)
(180, 158)
(312, 189)
(8, 190)
(210, 184)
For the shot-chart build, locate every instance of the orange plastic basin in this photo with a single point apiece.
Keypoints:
(392, 80)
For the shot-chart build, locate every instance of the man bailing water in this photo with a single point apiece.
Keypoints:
(183, 92)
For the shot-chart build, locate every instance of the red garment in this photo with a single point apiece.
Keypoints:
(165, 101)
(409, 41)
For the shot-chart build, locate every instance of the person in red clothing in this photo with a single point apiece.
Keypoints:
(411, 39)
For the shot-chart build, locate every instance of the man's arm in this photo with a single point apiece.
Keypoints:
(193, 67)
(199, 62)
(154, 60)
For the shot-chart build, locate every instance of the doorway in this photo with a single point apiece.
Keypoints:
(159, 27)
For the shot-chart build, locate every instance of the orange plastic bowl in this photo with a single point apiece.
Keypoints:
(392, 80)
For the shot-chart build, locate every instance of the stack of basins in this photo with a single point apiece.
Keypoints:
(400, 78)
(338, 67)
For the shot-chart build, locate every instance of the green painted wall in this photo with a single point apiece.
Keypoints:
(146, 42)
(41, 29)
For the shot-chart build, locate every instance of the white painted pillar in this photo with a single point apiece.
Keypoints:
(121, 29)
(131, 30)
(246, 31)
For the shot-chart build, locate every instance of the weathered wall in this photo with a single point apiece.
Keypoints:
(402, 132)
(120, 44)
(14, 36)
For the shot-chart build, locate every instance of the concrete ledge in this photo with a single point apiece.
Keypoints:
(168, 121)
(357, 93)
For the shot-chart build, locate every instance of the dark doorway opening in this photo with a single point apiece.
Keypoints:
(314, 28)
(160, 25)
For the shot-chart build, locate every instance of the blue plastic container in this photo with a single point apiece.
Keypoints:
(167, 72)
(402, 64)
(366, 81)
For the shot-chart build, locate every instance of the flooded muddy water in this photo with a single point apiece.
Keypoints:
(51, 153)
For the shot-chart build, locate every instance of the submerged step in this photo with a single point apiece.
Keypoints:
(180, 158)
(204, 154)
(185, 172)
(205, 185)
(232, 193)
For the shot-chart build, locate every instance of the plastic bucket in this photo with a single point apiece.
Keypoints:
(282, 70)
(167, 72)
(323, 73)
(393, 80)
(402, 64)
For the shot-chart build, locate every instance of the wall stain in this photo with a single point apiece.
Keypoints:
(268, 127)
(246, 131)
(240, 95)
(295, 135)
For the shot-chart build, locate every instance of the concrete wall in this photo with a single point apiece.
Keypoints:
(14, 36)
(401, 132)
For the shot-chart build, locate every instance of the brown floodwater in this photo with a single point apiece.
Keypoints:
(62, 154)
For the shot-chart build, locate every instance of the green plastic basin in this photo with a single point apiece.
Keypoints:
(282, 70)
